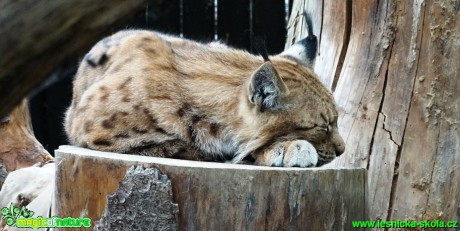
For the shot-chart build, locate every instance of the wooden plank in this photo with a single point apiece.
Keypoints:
(333, 36)
(386, 148)
(381, 170)
(334, 40)
(163, 17)
(242, 197)
(360, 86)
(269, 23)
(31, 50)
(429, 169)
(198, 19)
(233, 23)
(386, 144)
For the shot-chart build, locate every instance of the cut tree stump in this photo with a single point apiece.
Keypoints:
(119, 191)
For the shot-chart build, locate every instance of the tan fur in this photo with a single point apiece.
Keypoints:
(146, 93)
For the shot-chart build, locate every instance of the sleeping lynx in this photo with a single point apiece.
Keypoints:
(147, 93)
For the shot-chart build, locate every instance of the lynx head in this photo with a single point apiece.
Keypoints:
(288, 102)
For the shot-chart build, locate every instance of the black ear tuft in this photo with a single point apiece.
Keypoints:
(259, 45)
(311, 41)
(306, 49)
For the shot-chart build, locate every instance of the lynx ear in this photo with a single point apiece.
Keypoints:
(304, 51)
(266, 88)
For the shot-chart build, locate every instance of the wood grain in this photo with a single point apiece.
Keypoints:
(398, 99)
(18, 146)
(217, 196)
(429, 169)
(331, 28)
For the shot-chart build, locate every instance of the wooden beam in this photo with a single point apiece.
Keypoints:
(193, 195)
(264, 13)
(37, 36)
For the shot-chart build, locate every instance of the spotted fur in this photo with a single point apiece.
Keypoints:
(146, 93)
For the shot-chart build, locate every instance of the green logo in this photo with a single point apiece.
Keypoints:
(23, 218)
(11, 214)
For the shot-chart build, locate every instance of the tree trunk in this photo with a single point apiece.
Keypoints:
(18, 146)
(37, 36)
(121, 192)
(397, 73)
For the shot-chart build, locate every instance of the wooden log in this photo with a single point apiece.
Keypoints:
(398, 99)
(429, 164)
(37, 36)
(18, 146)
(148, 193)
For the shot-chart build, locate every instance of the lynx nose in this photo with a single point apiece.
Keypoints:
(339, 152)
(338, 143)
(339, 149)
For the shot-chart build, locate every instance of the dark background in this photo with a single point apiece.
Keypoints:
(230, 21)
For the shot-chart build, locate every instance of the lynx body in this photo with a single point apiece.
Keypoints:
(146, 93)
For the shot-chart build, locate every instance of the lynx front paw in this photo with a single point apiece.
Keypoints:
(296, 153)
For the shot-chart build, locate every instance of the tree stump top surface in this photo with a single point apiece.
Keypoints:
(83, 152)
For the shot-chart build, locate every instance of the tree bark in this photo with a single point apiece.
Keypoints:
(18, 146)
(398, 99)
(37, 36)
(117, 190)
